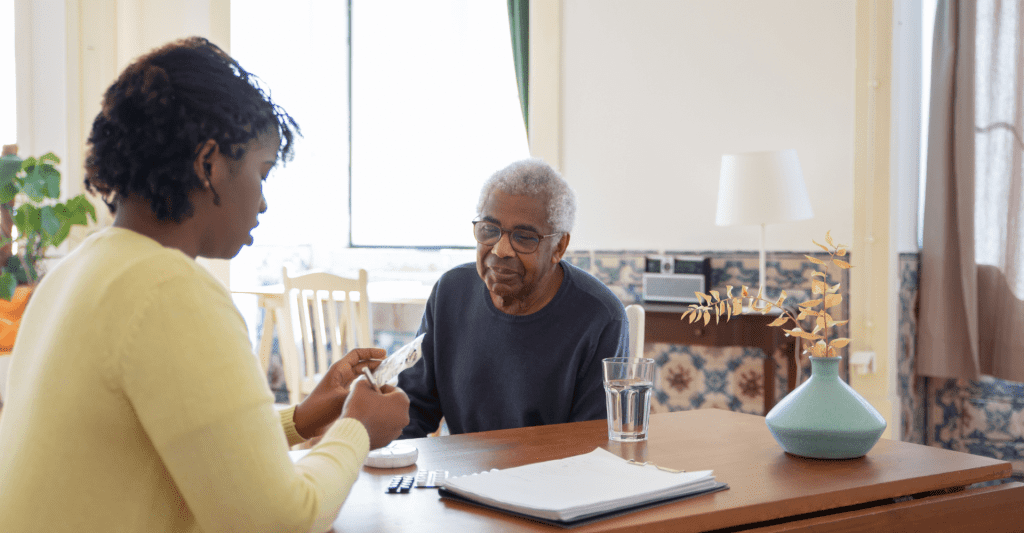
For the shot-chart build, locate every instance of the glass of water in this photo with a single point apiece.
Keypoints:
(628, 383)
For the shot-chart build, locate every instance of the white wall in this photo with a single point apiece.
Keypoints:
(655, 91)
(652, 92)
(40, 54)
(69, 52)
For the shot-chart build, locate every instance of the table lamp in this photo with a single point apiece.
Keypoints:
(761, 188)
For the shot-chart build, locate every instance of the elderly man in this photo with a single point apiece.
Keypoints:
(517, 339)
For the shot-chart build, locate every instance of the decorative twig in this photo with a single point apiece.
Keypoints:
(718, 305)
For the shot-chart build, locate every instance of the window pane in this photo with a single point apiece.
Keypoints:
(435, 111)
(299, 49)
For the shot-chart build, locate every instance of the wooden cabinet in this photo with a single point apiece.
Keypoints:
(662, 324)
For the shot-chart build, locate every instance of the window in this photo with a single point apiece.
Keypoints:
(300, 52)
(434, 111)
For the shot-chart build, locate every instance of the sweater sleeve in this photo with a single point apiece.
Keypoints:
(588, 397)
(288, 425)
(188, 370)
(419, 382)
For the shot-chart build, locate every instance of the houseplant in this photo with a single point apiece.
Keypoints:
(29, 190)
(32, 223)
(823, 418)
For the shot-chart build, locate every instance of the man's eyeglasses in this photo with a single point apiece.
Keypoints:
(522, 240)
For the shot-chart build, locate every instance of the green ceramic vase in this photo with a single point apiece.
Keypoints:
(824, 418)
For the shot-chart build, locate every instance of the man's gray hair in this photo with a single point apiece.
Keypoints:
(533, 177)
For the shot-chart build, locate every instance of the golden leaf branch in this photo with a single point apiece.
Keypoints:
(727, 305)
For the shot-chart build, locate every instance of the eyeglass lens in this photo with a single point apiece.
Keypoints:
(523, 241)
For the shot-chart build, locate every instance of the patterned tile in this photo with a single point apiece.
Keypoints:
(622, 272)
(983, 417)
(692, 378)
(699, 377)
(578, 259)
(689, 377)
(912, 388)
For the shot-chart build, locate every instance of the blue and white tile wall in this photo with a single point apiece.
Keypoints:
(689, 377)
(912, 388)
(693, 377)
(984, 417)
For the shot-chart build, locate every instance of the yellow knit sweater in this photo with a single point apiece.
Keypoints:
(135, 404)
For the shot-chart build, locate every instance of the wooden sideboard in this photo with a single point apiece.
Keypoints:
(663, 324)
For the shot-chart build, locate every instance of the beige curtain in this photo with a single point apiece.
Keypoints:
(971, 320)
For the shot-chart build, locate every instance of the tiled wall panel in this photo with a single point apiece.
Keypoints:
(984, 417)
(693, 377)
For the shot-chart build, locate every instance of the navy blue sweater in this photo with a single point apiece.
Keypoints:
(483, 369)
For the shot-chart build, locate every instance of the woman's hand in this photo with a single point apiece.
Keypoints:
(323, 406)
(384, 414)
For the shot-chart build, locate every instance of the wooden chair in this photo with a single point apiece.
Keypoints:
(332, 316)
(635, 316)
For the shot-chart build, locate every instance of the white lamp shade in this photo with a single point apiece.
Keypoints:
(762, 188)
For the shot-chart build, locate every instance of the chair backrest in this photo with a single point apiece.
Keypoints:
(332, 316)
(635, 316)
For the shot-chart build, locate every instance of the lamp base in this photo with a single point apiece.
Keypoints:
(761, 265)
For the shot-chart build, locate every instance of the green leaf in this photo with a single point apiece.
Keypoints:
(62, 211)
(8, 190)
(50, 156)
(77, 218)
(51, 177)
(48, 220)
(10, 165)
(35, 184)
(33, 190)
(62, 233)
(79, 208)
(89, 208)
(27, 220)
(16, 267)
(7, 286)
(42, 180)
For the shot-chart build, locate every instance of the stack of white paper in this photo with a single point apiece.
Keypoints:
(578, 487)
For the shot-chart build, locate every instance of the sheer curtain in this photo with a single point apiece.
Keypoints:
(972, 260)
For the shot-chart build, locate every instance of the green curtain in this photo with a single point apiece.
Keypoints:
(519, 27)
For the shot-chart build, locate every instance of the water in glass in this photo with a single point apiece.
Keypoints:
(629, 406)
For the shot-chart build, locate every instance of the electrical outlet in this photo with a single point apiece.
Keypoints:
(863, 362)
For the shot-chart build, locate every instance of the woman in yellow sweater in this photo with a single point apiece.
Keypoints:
(135, 403)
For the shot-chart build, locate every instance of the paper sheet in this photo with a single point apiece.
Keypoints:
(577, 486)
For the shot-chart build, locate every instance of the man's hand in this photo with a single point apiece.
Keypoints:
(384, 414)
(323, 406)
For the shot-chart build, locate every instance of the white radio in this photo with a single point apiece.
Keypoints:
(675, 279)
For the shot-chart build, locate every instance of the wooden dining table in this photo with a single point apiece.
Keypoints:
(897, 486)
